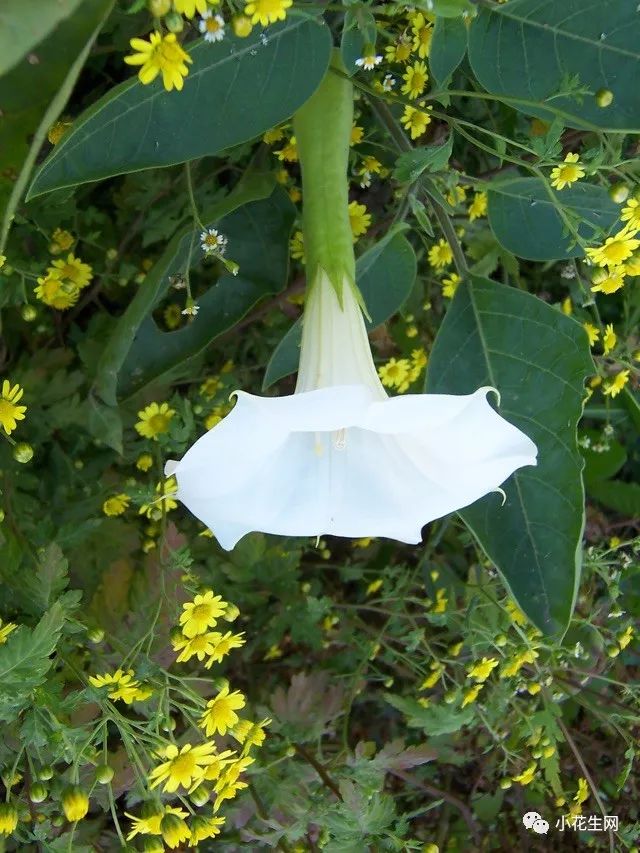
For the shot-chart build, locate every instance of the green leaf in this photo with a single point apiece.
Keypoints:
(385, 275)
(529, 49)
(601, 464)
(448, 47)
(105, 423)
(48, 77)
(538, 359)
(50, 579)
(432, 158)
(434, 720)
(24, 25)
(236, 89)
(252, 187)
(446, 8)
(25, 660)
(621, 497)
(525, 220)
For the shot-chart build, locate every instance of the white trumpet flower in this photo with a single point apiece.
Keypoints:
(339, 456)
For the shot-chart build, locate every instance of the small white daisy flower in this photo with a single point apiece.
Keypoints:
(212, 242)
(388, 83)
(365, 179)
(368, 62)
(191, 309)
(212, 26)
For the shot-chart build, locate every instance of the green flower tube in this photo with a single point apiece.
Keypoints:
(323, 130)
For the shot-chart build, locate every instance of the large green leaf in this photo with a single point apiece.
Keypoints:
(525, 220)
(236, 89)
(448, 47)
(385, 274)
(24, 25)
(528, 50)
(34, 92)
(618, 495)
(538, 359)
(258, 233)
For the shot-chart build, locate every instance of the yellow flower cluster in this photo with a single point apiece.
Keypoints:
(122, 686)
(400, 373)
(63, 281)
(617, 258)
(195, 637)
(203, 770)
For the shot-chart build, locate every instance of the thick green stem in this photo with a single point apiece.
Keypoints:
(322, 129)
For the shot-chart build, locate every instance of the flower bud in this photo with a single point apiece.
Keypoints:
(96, 635)
(174, 830)
(174, 24)
(604, 97)
(8, 818)
(1, 516)
(242, 26)
(505, 784)
(29, 313)
(23, 452)
(75, 803)
(200, 796)
(45, 773)
(159, 8)
(153, 845)
(38, 792)
(619, 192)
(104, 774)
(231, 613)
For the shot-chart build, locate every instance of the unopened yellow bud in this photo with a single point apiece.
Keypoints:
(242, 26)
(604, 97)
(75, 803)
(23, 452)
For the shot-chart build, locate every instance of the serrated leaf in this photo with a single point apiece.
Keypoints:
(538, 360)
(385, 275)
(25, 660)
(527, 49)
(526, 222)
(431, 158)
(236, 89)
(51, 577)
(434, 719)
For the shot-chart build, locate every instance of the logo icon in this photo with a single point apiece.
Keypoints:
(536, 823)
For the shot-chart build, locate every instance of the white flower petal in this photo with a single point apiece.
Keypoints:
(337, 461)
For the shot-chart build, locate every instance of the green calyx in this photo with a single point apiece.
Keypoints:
(322, 129)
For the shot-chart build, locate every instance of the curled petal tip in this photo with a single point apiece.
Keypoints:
(170, 467)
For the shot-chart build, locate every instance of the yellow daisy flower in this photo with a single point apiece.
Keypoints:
(61, 241)
(202, 613)
(267, 11)
(593, 333)
(221, 712)
(631, 214)
(116, 505)
(154, 420)
(204, 827)
(10, 411)
(416, 120)
(73, 270)
(567, 173)
(223, 645)
(482, 670)
(56, 293)
(450, 285)
(440, 255)
(201, 645)
(478, 206)
(612, 387)
(609, 340)
(181, 765)
(615, 250)
(415, 79)
(160, 55)
(422, 34)
(359, 218)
